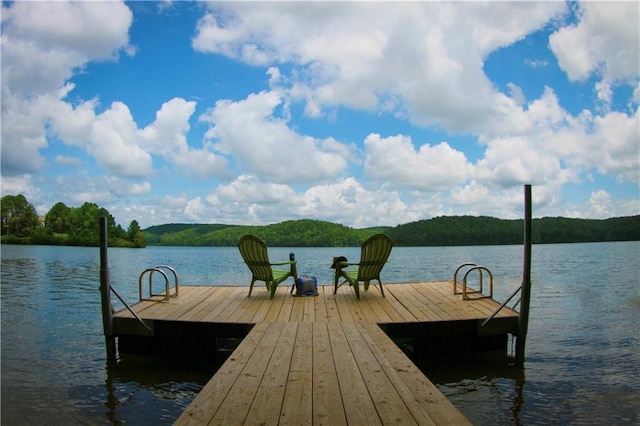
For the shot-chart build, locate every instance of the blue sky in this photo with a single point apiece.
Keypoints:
(359, 113)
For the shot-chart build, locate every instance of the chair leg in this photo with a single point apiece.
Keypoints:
(381, 289)
(251, 287)
(356, 288)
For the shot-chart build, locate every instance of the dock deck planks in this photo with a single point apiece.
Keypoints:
(406, 302)
(318, 360)
(319, 373)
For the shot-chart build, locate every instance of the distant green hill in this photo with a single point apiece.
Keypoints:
(439, 231)
(294, 233)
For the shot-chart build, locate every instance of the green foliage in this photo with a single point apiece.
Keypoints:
(312, 233)
(458, 231)
(471, 230)
(133, 229)
(294, 233)
(135, 234)
(63, 225)
(439, 231)
(43, 236)
(80, 226)
(17, 216)
(563, 230)
(57, 218)
(178, 234)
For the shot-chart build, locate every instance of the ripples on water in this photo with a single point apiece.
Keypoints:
(582, 364)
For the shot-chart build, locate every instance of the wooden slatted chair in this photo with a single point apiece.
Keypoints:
(374, 253)
(254, 253)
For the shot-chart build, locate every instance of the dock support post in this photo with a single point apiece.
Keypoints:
(523, 319)
(105, 294)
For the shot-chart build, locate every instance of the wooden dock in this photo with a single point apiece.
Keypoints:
(404, 303)
(319, 360)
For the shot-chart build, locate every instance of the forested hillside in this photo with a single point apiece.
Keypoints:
(472, 230)
(295, 233)
(439, 231)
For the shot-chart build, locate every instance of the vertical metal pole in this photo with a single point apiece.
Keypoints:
(105, 293)
(523, 320)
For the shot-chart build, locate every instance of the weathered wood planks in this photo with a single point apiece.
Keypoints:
(406, 302)
(324, 373)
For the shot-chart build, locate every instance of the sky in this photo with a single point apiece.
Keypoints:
(358, 113)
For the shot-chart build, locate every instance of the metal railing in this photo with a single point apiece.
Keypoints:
(466, 289)
(140, 320)
(516, 291)
(167, 288)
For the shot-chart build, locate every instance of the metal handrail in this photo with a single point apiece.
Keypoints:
(464, 282)
(151, 271)
(159, 269)
(175, 277)
(502, 306)
(455, 276)
(113, 290)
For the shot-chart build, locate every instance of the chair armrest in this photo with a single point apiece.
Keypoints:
(343, 264)
(288, 262)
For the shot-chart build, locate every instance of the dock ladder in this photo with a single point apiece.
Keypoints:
(167, 287)
(470, 293)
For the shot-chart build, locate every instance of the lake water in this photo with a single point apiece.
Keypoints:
(582, 360)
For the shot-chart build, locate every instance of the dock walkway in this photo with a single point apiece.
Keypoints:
(320, 360)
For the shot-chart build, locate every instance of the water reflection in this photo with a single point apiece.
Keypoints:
(487, 387)
(142, 388)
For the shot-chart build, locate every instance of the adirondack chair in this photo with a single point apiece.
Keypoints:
(254, 253)
(374, 253)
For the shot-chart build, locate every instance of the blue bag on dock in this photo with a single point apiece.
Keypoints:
(306, 285)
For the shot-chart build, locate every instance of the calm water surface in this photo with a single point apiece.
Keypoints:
(583, 349)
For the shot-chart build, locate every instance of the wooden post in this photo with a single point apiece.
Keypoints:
(105, 294)
(523, 319)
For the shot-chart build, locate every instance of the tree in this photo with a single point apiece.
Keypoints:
(84, 225)
(57, 219)
(135, 235)
(18, 216)
(133, 230)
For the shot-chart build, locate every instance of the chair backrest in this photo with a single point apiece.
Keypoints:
(373, 255)
(254, 253)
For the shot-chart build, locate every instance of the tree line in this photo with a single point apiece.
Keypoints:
(482, 230)
(439, 231)
(292, 233)
(62, 225)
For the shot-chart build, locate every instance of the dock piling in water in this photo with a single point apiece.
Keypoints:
(523, 319)
(105, 293)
